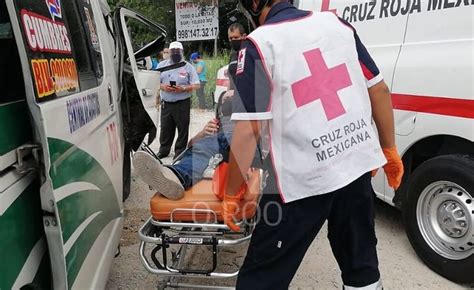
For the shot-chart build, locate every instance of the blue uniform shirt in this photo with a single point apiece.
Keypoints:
(253, 86)
(183, 76)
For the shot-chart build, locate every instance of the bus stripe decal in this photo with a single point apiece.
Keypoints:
(73, 188)
(32, 264)
(73, 238)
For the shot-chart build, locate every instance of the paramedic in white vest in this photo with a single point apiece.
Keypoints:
(309, 79)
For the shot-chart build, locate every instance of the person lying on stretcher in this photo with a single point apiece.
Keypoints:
(172, 180)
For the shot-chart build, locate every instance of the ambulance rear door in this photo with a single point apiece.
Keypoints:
(70, 85)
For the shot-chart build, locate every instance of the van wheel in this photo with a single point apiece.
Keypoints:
(127, 173)
(439, 215)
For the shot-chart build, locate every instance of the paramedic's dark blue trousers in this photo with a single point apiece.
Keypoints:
(275, 252)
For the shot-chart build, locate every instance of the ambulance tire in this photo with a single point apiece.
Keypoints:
(127, 173)
(449, 251)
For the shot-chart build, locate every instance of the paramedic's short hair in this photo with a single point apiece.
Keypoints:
(237, 26)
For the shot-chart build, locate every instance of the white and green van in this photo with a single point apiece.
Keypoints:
(70, 112)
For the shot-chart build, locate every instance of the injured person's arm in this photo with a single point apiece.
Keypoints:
(211, 128)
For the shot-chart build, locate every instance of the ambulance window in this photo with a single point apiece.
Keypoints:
(88, 77)
(11, 75)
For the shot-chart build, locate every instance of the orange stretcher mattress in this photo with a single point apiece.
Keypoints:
(201, 197)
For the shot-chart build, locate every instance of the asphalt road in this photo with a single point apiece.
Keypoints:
(399, 265)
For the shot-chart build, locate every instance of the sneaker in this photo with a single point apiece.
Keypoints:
(214, 161)
(159, 177)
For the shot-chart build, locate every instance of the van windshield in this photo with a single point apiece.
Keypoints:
(11, 76)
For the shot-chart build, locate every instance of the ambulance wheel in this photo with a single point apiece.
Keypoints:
(439, 216)
(127, 174)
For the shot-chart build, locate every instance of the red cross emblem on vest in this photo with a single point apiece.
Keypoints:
(323, 84)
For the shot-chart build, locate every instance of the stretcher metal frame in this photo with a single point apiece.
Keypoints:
(161, 234)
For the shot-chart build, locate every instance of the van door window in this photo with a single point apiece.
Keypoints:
(85, 42)
(90, 27)
(11, 76)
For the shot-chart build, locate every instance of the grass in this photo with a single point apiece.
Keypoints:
(213, 65)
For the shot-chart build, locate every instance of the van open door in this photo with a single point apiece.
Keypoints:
(70, 84)
(140, 39)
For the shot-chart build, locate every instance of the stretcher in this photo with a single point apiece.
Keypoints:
(195, 221)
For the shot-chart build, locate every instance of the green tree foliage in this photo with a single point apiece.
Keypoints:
(163, 12)
(160, 11)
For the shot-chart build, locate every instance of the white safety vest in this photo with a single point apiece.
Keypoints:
(321, 133)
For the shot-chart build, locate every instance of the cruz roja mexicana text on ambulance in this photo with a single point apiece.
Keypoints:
(378, 9)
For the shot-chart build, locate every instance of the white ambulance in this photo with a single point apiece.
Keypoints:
(222, 83)
(70, 87)
(425, 51)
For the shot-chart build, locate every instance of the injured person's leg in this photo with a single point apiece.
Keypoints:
(190, 168)
(159, 177)
(172, 180)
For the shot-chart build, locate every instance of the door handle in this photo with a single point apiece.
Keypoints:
(147, 92)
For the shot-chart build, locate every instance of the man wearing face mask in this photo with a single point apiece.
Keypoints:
(308, 79)
(176, 89)
(236, 34)
(215, 137)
